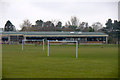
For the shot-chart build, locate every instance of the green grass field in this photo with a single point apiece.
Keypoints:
(93, 62)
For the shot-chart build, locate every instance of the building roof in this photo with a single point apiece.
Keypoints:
(56, 33)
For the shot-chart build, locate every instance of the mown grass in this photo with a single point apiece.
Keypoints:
(94, 61)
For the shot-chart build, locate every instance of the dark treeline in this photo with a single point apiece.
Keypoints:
(9, 26)
(72, 25)
(112, 28)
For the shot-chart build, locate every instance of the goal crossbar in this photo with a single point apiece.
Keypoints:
(31, 40)
(63, 41)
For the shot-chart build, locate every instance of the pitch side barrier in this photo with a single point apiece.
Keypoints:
(48, 41)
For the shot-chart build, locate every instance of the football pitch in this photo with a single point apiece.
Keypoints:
(94, 61)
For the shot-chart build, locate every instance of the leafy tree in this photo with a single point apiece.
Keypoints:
(91, 29)
(39, 23)
(109, 24)
(73, 27)
(116, 26)
(59, 25)
(82, 26)
(9, 26)
(112, 29)
(48, 24)
(86, 29)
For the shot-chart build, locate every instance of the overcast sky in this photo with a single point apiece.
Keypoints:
(86, 10)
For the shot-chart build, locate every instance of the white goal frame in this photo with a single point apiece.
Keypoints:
(31, 40)
(63, 41)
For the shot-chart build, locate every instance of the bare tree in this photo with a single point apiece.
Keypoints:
(55, 22)
(26, 25)
(96, 26)
(74, 21)
(66, 24)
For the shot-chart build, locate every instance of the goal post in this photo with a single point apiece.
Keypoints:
(48, 49)
(23, 42)
(48, 42)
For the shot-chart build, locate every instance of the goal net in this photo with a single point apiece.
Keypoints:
(33, 43)
(61, 46)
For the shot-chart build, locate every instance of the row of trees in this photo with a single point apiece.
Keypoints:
(112, 28)
(72, 25)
